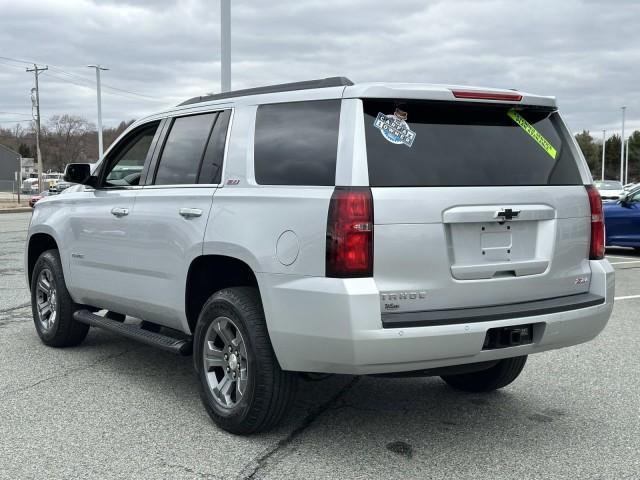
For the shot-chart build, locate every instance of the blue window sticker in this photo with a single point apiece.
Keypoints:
(394, 128)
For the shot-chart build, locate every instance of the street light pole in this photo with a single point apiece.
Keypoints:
(225, 43)
(626, 164)
(622, 147)
(604, 144)
(99, 95)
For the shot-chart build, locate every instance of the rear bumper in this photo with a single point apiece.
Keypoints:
(334, 326)
(484, 314)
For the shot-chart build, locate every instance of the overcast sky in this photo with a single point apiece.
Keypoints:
(160, 52)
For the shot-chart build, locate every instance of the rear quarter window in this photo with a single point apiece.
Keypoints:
(296, 143)
(467, 144)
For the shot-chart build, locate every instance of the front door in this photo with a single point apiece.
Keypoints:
(100, 240)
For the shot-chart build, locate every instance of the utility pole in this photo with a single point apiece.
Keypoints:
(35, 102)
(604, 144)
(19, 178)
(225, 43)
(622, 147)
(98, 68)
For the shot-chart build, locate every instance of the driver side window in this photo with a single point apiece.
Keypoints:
(126, 162)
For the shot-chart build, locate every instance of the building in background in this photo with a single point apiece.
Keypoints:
(9, 165)
(29, 168)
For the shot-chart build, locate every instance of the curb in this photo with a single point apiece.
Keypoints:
(15, 210)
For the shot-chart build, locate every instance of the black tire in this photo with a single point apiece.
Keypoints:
(498, 376)
(269, 391)
(63, 331)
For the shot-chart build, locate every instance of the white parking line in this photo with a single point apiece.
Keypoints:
(622, 263)
(627, 297)
(621, 257)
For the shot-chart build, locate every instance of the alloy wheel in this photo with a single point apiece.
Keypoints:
(46, 299)
(226, 363)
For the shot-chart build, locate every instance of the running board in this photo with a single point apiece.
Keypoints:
(164, 342)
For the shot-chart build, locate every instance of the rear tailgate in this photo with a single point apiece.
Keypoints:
(475, 205)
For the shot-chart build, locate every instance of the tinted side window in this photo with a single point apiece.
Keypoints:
(125, 164)
(296, 143)
(211, 170)
(184, 149)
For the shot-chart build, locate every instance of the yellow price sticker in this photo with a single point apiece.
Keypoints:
(533, 133)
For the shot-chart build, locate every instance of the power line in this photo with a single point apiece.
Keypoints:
(15, 113)
(63, 79)
(84, 79)
(16, 60)
(124, 95)
(81, 78)
(19, 67)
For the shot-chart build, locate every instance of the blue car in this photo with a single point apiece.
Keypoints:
(622, 221)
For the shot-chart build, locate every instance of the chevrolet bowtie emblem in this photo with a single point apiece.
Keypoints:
(506, 214)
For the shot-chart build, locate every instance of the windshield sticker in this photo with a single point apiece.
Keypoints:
(533, 133)
(394, 128)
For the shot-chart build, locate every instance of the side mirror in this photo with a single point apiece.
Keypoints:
(79, 173)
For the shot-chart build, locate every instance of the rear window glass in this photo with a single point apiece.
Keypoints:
(458, 144)
(296, 143)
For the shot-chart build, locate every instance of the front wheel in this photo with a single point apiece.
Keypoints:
(243, 388)
(51, 304)
(498, 376)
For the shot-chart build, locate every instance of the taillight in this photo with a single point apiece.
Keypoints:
(596, 249)
(476, 95)
(350, 233)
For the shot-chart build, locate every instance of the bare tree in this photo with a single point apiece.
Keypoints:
(64, 138)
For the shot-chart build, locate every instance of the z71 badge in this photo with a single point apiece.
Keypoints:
(394, 127)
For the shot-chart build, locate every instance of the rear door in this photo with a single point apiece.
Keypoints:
(172, 211)
(476, 204)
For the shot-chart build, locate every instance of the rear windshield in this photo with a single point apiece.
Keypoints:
(419, 143)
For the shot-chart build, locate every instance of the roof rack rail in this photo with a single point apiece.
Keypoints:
(282, 87)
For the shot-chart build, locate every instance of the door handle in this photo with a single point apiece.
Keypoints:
(119, 211)
(190, 212)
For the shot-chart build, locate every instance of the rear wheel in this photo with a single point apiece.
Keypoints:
(51, 304)
(242, 386)
(498, 376)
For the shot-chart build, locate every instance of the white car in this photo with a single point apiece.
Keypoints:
(609, 189)
(327, 227)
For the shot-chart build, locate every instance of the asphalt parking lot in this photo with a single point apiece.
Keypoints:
(112, 408)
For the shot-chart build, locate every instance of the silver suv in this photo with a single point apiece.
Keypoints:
(326, 227)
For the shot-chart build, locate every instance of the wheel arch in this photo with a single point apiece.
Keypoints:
(38, 243)
(208, 274)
